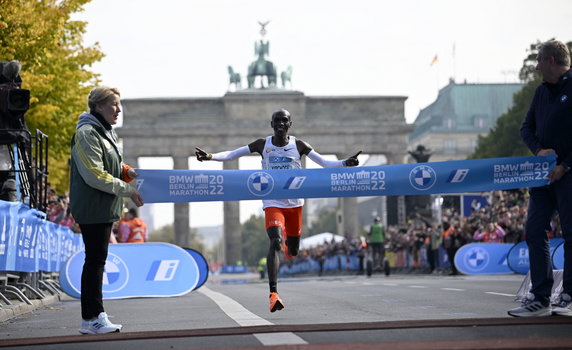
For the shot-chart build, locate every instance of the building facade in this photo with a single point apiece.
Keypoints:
(451, 125)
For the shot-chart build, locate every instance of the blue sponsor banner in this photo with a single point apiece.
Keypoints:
(558, 257)
(475, 175)
(483, 258)
(202, 264)
(518, 256)
(234, 269)
(30, 243)
(472, 203)
(137, 270)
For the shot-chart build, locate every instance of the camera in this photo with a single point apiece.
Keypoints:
(14, 101)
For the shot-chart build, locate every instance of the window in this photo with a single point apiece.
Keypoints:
(480, 122)
(449, 123)
(450, 146)
(473, 145)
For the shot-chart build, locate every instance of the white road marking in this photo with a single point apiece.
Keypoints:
(282, 338)
(414, 286)
(246, 318)
(390, 284)
(503, 294)
(454, 289)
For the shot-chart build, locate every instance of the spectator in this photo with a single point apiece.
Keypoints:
(493, 233)
(132, 229)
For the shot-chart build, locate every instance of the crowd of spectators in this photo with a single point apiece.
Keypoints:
(58, 210)
(415, 244)
(130, 229)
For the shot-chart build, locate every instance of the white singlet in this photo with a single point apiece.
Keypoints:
(287, 157)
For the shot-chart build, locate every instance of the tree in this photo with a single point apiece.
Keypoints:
(254, 240)
(41, 35)
(326, 222)
(504, 138)
(167, 234)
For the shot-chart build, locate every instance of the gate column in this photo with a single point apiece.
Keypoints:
(232, 233)
(181, 226)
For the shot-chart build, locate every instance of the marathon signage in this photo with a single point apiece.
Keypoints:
(483, 258)
(502, 258)
(30, 243)
(475, 175)
(518, 260)
(138, 270)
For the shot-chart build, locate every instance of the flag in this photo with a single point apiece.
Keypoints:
(434, 60)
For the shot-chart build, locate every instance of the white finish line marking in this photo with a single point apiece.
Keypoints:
(503, 294)
(246, 318)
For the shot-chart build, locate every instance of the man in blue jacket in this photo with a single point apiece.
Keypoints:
(546, 130)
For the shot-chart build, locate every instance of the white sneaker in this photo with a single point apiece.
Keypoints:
(531, 308)
(563, 306)
(101, 325)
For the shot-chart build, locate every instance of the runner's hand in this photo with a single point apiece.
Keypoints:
(202, 155)
(352, 161)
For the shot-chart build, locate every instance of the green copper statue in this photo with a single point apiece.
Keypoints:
(262, 67)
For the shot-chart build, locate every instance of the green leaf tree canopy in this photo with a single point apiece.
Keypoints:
(48, 43)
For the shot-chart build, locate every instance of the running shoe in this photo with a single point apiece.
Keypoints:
(563, 306)
(101, 325)
(275, 302)
(531, 308)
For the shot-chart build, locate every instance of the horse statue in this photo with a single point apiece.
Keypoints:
(261, 67)
(234, 78)
(286, 76)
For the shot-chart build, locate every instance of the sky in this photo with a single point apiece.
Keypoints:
(181, 48)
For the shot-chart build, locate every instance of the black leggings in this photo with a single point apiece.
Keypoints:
(96, 240)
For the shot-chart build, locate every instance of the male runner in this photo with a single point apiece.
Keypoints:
(283, 217)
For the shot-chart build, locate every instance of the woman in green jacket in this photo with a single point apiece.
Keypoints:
(98, 183)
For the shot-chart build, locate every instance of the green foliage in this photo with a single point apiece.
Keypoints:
(167, 234)
(254, 240)
(504, 138)
(41, 35)
(326, 222)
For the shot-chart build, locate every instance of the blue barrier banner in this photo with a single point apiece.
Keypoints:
(475, 175)
(518, 256)
(234, 269)
(9, 235)
(558, 257)
(30, 243)
(483, 258)
(202, 264)
(137, 270)
(28, 222)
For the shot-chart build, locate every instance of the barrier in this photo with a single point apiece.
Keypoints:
(30, 243)
(137, 270)
(202, 265)
(518, 256)
(483, 258)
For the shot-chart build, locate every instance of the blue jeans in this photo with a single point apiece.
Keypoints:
(542, 204)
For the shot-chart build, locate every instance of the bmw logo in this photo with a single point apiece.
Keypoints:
(422, 177)
(116, 274)
(476, 259)
(260, 183)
